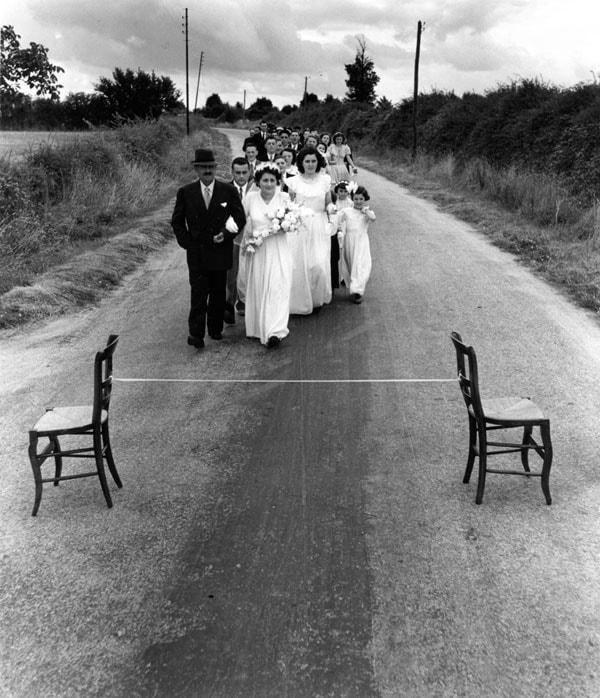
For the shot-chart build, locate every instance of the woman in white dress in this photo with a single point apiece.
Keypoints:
(341, 165)
(269, 266)
(311, 247)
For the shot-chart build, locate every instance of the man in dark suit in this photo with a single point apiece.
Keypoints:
(295, 143)
(202, 227)
(240, 171)
(270, 150)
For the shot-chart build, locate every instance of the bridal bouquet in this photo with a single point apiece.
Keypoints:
(287, 219)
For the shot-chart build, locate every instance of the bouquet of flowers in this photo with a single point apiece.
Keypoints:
(287, 219)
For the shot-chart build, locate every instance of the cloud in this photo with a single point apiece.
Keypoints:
(268, 48)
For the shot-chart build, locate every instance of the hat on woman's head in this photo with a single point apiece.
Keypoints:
(204, 157)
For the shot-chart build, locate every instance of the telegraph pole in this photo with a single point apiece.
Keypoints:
(198, 85)
(187, 75)
(420, 30)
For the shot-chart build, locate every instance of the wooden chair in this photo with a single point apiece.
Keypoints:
(500, 413)
(88, 420)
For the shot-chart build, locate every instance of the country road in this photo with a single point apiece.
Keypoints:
(293, 523)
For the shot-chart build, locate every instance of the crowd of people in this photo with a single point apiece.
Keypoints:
(277, 240)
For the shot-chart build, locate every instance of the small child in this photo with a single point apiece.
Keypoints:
(341, 199)
(356, 252)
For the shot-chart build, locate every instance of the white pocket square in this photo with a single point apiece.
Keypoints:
(224, 204)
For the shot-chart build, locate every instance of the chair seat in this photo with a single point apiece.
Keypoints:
(512, 409)
(61, 419)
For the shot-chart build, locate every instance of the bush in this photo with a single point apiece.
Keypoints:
(64, 195)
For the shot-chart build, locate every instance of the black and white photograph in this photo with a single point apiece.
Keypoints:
(300, 349)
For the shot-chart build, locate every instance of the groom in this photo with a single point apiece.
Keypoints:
(202, 227)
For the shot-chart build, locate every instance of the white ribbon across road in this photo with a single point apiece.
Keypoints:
(285, 380)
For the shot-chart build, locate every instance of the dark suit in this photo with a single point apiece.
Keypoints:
(258, 141)
(233, 272)
(207, 261)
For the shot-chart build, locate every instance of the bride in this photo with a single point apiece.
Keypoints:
(269, 264)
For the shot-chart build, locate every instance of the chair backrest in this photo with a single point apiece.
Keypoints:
(468, 377)
(103, 367)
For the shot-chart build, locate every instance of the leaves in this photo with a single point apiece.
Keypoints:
(30, 66)
(362, 77)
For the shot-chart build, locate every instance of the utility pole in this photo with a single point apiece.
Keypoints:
(305, 89)
(244, 107)
(187, 75)
(198, 85)
(420, 30)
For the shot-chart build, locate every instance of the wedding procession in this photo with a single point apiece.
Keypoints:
(289, 230)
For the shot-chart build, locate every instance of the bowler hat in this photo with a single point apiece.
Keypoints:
(204, 157)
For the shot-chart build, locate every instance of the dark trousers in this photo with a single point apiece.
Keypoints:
(207, 301)
(232, 278)
(334, 262)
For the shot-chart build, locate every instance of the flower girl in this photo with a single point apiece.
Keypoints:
(353, 224)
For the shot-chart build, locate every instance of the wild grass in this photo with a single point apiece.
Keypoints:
(530, 214)
(67, 213)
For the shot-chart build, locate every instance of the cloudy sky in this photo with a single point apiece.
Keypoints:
(269, 47)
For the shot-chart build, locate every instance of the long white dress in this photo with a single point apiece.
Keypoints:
(268, 272)
(311, 246)
(356, 251)
(338, 169)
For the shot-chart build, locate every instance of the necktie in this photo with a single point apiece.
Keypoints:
(206, 195)
(241, 192)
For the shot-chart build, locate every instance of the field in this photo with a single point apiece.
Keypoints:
(13, 144)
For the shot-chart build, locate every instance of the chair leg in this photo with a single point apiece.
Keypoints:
(472, 444)
(525, 451)
(482, 464)
(100, 466)
(58, 462)
(37, 473)
(547, 464)
(108, 454)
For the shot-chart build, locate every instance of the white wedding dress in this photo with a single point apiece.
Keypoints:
(268, 272)
(311, 247)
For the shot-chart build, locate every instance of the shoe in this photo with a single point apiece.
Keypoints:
(197, 342)
(229, 315)
(240, 308)
(216, 335)
(356, 298)
(273, 342)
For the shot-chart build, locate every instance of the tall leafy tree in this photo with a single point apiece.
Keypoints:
(138, 94)
(214, 106)
(29, 66)
(24, 67)
(362, 78)
(260, 108)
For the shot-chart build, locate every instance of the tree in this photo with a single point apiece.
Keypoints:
(309, 98)
(362, 77)
(260, 108)
(83, 110)
(132, 95)
(214, 107)
(26, 65)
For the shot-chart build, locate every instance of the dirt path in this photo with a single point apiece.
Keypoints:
(310, 539)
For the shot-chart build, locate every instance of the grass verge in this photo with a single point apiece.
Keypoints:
(55, 268)
(564, 249)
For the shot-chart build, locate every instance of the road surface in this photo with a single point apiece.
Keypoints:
(282, 536)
